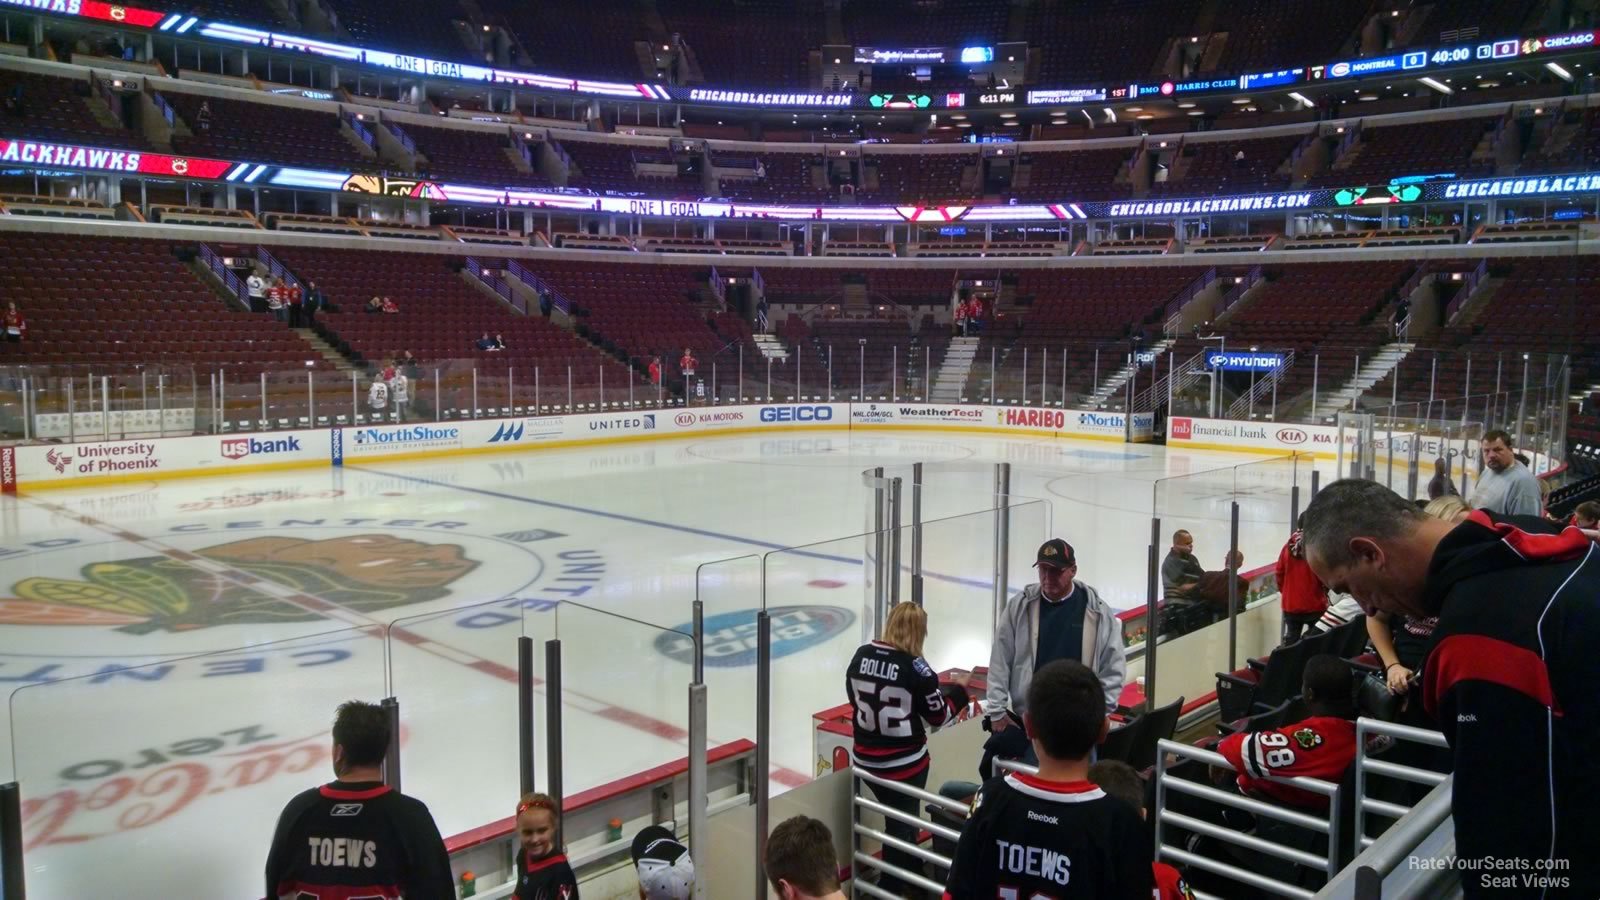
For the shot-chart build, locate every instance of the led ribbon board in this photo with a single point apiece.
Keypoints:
(1234, 361)
(49, 154)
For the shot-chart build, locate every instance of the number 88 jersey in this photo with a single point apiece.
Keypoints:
(894, 694)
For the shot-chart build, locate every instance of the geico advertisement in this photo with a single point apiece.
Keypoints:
(159, 456)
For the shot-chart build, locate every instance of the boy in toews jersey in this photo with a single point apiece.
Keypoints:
(357, 836)
(1054, 836)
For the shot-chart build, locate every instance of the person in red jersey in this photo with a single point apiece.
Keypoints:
(1509, 675)
(1119, 780)
(1304, 596)
(655, 370)
(1054, 836)
(297, 299)
(1323, 745)
(16, 327)
(356, 836)
(543, 872)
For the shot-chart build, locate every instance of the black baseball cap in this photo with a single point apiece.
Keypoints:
(665, 870)
(1057, 554)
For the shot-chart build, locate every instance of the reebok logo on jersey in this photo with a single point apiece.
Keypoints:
(1041, 817)
(1466, 717)
(345, 809)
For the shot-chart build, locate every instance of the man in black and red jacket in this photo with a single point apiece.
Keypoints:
(357, 837)
(1512, 674)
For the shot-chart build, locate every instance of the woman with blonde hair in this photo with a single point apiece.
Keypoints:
(895, 694)
(1449, 507)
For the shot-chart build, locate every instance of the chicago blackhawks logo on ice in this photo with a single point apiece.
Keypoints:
(86, 607)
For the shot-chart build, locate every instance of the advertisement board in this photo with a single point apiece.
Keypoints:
(1227, 434)
(81, 462)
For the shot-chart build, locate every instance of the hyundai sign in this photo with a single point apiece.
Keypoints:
(1225, 361)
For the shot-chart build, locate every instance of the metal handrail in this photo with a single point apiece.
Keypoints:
(1331, 826)
(1365, 766)
(859, 831)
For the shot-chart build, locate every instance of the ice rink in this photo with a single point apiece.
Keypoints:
(173, 651)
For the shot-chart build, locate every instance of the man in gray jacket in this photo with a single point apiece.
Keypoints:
(1057, 618)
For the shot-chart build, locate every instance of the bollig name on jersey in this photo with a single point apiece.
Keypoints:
(877, 668)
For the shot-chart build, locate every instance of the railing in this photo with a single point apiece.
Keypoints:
(758, 282)
(1467, 288)
(1366, 767)
(1245, 405)
(719, 288)
(522, 149)
(360, 129)
(235, 286)
(860, 802)
(1352, 134)
(102, 86)
(1380, 871)
(488, 277)
(557, 299)
(1174, 308)
(166, 109)
(1250, 280)
(405, 139)
(278, 269)
(1185, 374)
(1166, 819)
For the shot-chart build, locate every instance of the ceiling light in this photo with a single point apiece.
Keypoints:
(1197, 112)
(1135, 109)
(1301, 97)
(1186, 106)
(1367, 98)
(1111, 114)
(1144, 116)
(958, 125)
(1556, 69)
(1434, 83)
(1008, 115)
(1240, 101)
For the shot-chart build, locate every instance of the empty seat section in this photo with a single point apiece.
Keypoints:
(473, 157)
(290, 136)
(756, 43)
(57, 109)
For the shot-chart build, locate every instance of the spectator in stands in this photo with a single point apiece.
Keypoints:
(1121, 782)
(890, 740)
(1506, 486)
(1212, 588)
(1401, 642)
(378, 395)
(1303, 598)
(1402, 309)
(1441, 484)
(1180, 571)
(314, 302)
(1586, 516)
(687, 363)
(297, 300)
(256, 286)
(1057, 813)
(1511, 672)
(655, 370)
(17, 101)
(399, 391)
(15, 325)
(400, 850)
(1323, 745)
(546, 302)
(202, 119)
(277, 299)
(542, 870)
(389, 306)
(486, 342)
(499, 342)
(663, 865)
(375, 305)
(800, 862)
(409, 365)
(961, 317)
(1057, 617)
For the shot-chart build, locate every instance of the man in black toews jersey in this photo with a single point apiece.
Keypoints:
(357, 837)
(1054, 836)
